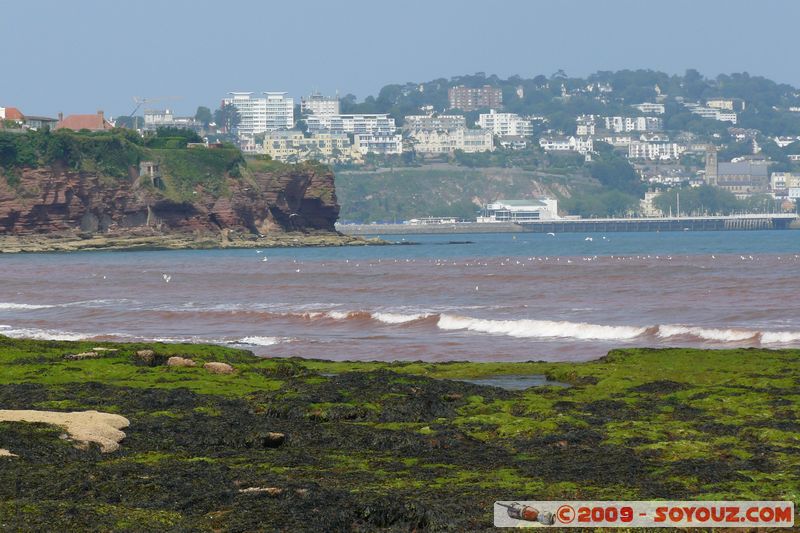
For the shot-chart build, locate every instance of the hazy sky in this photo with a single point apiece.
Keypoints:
(79, 56)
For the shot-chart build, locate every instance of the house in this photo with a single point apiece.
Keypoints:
(567, 144)
(513, 142)
(96, 122)
(11, 113)
(38, 123)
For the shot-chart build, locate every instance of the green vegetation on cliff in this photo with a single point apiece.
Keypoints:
(117, 153)
(392, 446)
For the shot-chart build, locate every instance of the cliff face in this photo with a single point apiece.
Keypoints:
(56, 201)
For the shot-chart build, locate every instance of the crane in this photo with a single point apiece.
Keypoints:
(141, 100)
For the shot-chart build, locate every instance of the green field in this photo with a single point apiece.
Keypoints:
(387, 446)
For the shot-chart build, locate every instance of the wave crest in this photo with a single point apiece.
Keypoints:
(541, 328)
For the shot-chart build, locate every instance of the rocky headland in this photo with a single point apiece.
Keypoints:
(109, 191)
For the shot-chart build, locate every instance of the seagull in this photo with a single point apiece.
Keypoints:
(166, 277)
(264, 260)
(588, 239)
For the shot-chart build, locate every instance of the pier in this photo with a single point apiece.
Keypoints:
(766, 221)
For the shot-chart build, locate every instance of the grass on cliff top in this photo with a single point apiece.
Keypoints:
(394, 446)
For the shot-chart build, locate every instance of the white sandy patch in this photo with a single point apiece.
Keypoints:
(82, 426)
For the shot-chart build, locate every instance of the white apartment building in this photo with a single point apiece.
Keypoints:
(582, 145)
(379, 143)
(651, 108)
(655, 150)
(505, 123)
(280, 111)
(356, 124)
(712, 113)
(445, 142)
(627, 124)
(434, 122)
(317, 104)
(257, 115)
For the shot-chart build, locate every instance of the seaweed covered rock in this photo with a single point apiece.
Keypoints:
(180, 361)
(218, 368)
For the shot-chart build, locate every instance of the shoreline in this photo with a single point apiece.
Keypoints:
(74, 243)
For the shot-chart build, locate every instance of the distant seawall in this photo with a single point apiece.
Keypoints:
(588, 225)
(422, 229)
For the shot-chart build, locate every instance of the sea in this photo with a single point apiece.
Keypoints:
(483, 297)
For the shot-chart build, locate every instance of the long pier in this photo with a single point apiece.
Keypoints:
(587, 225)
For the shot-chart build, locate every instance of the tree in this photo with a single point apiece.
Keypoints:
(227, 117)
(203, 116)
(698, 200)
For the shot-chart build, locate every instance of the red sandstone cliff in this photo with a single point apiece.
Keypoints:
(56, 201)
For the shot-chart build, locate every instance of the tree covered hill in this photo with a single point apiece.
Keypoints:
(561, 98)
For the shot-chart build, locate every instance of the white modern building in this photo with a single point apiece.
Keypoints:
(317, 104)
(356, 124)
(582, 145)
(655, 150)
(445, 142)
(627, 124)
(280, 111)
(379, 143)
(274, 111)
(520, 210)
(434, 122)
(505, 123)
(713, 113)
(651, 108)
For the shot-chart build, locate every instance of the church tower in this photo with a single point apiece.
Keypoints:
(711, 165)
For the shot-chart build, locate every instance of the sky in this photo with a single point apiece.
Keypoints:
(80, 56)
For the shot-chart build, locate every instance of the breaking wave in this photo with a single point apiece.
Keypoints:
(261, 341)
(43, 334)
(528, 328)
(541, 328)
(11, 305)
(707, 334)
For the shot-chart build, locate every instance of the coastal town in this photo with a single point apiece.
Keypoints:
(663, 144)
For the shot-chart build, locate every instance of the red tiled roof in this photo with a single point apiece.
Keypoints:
(94, 122)
(12, 113)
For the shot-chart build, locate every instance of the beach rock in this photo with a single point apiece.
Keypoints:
(218, 368)
(146, 356)
(180, 361)
(82, 426)
(105, 350)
